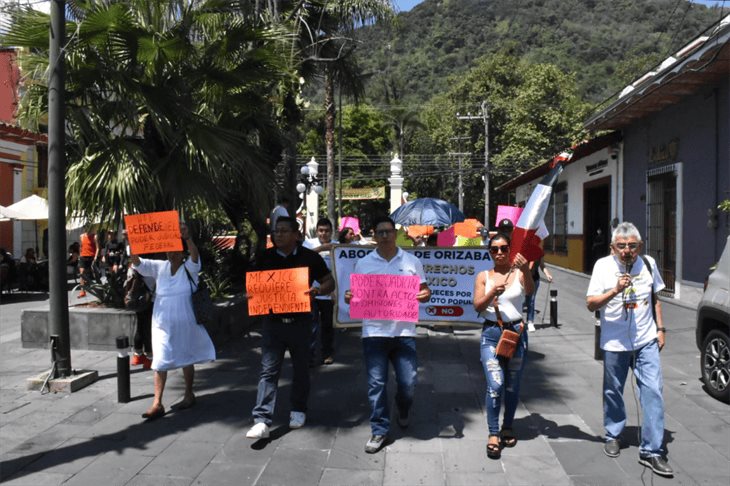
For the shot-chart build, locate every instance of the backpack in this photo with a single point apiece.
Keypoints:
(137, 296)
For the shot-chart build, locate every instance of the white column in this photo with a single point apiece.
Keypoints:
(312, 201)
(396, 183)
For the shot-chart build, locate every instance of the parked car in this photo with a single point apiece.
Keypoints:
(713, 329)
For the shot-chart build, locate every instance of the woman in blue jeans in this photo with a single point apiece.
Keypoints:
(498, 296)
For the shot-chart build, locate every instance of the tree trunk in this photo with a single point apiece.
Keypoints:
(329, 142)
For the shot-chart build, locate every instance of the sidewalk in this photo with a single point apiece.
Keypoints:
(87, 438)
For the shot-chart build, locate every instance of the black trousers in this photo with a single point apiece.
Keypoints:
(143, 333)
(322, 320)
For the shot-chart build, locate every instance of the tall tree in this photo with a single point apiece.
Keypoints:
(168, 102)
(329, 27)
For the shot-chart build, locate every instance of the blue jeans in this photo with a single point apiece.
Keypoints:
(648, 371)
(277, 337)
(503, 376)
(378, 351)
(531, 299)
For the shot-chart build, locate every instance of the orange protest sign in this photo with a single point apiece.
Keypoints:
(279, 291)
(153, 232)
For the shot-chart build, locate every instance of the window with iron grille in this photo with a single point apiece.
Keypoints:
(556, 219)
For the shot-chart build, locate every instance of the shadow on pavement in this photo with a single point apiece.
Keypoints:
(535, 425)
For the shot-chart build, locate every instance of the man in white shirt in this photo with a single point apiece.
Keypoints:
(280, 210)
(323, 305)
(624, 288)
(389, 341)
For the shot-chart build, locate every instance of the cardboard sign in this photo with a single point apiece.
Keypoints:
(153, 232)
(510, 212)
(450, 274)
(384, 297)
(462, 241)
(278, 291)
(350, 222)
(446, 237)
(468, 228)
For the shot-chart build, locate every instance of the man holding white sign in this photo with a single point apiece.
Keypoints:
(385, 341)
(285, 326)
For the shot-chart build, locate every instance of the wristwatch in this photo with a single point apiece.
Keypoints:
(661, 329)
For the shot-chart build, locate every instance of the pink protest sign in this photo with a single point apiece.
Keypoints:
(510, 212)
(384, 297)
(350, 222)
(446, 237)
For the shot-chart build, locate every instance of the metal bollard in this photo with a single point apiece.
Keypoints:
(123, 395)
(554, 308)
(597, 351)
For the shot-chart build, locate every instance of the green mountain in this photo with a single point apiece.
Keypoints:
(604, 43)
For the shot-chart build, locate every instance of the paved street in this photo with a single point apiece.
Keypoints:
(87, 438)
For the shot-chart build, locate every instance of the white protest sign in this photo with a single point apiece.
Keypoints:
(450, 274)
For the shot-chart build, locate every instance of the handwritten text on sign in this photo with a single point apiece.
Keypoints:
(386, 297)
(153, 232)
(281, 291)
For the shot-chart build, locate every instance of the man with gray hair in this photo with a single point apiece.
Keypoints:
(623, 286)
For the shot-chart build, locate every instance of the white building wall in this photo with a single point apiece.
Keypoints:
(576, 175)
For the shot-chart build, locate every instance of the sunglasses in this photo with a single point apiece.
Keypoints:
(499, 249)
(631, 246)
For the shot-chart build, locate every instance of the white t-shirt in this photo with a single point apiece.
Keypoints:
(313, 243)
(511, 300)
(401, 264)
(627, 322)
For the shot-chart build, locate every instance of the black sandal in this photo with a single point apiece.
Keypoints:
(508, 438)
(494, 451)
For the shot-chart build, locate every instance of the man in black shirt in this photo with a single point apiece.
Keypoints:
(287, 331)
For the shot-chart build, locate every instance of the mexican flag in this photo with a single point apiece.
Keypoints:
(530, 229)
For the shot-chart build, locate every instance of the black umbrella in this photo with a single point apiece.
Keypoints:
(427, 211)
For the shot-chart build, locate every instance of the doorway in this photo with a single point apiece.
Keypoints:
(662, 225)
(596, 221)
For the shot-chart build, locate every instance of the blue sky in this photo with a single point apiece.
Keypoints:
(405, 5)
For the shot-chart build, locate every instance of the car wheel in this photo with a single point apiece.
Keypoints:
(715, 361)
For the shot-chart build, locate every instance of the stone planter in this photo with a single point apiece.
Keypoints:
(89, 327)
(97, 328)
(230, 320)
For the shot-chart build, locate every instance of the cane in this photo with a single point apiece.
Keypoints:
(547, 299)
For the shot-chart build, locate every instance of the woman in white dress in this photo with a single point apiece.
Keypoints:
(178, 341)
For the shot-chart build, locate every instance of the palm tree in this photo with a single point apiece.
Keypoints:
(169, 102)
(327, 28)
(404, 123)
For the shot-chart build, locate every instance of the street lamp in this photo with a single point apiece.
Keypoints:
(310, 189)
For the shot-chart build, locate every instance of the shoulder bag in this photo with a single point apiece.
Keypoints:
(509, 339)
(202, 303)
(653, 295)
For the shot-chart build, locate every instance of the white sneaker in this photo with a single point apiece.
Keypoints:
(259, 431)
(530, 326)
(297, 419)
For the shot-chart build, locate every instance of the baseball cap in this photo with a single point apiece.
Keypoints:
(505, 224)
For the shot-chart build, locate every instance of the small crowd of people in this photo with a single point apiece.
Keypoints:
(29, 273)
(622, 287)
(94, 253)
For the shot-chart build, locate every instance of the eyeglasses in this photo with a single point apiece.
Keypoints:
(384, 232)
(631, 246)
(499, 249)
